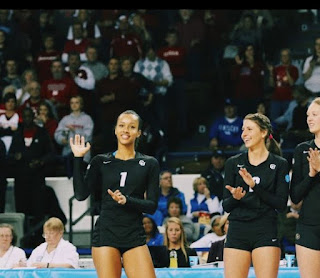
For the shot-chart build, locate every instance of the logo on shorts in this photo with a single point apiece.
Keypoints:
(240, 165)
(274, 239)
(297, 236)
(142, 163)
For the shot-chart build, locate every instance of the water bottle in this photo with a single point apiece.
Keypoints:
(173, 259)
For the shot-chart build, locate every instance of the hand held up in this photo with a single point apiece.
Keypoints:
(78, 146)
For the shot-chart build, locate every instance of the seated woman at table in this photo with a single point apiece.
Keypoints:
(10, 255)
(175, 240)
(55, 251)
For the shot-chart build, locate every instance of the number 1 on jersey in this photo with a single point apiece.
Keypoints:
(123, 178)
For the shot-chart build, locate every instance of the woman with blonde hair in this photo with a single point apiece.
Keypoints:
(55, 251)
(203, 201)
(176, 242)
(305, 187)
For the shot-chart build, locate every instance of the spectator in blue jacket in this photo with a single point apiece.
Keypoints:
(166, 191)
(154, 238)
(203, 200)
(225, 132)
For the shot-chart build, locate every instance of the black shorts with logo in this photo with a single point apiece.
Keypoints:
(308, 236)
(248, 235)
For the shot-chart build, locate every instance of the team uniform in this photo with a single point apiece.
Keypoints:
(253, 219)
(119, 226)
(306, 188)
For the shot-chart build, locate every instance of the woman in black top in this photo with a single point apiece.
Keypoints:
(256, 187)
(305, 187)
(121, 178)
(176, 241)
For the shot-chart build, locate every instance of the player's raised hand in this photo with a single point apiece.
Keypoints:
(78, 146)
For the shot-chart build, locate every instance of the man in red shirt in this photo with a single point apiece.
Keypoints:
(59, 89)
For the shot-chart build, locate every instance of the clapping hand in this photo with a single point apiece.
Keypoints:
(78, 146)
(247, 178)
(314, 161)
(237, 192)
(118, 196)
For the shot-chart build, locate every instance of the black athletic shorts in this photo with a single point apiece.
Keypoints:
(248, 235)
(308, 236)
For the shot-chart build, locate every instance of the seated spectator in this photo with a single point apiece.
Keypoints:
(248, 80)
(166, 192)
(174, 207)
(7, 89)
(153, 236)
(77, 44)
(175, 240)
(84, 79)
(282, 78)
(245, 32)
(9, 120)
(35, 99)
(225, 132)
(55, 252)
(214, 235)
(124, 41)
(203, 201)
(216, 249)
(214, 174)
(77, 122)
(29, 75)
(98, 68)
(59, 89)
(46, 119)
(311, 70)
(11, 76)
(10, 255)
(45, 57)
(91, 30)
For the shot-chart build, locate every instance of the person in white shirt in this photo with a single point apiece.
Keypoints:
(311, 70)
(55, 251)
(209, 238)
(10, 255)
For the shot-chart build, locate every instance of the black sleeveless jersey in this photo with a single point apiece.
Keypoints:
(269, 195)
(137, 179)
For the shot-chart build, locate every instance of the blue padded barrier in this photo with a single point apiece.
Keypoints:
(160, 273)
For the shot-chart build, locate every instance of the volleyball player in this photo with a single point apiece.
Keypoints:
(256, 186)
(305, 187)
(123, 177)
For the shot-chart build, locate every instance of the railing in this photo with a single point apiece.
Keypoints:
(71, 222)
(93, 210)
